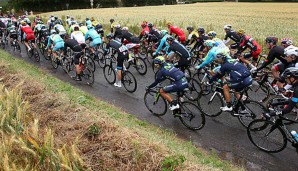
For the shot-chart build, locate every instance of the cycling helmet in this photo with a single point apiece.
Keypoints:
(125, 28)
(52, 19)
(87, 18)
(143, 25)
(92, 19)
(67, 16)
(287, 41)
(201, 30)
(53, 31)
(220, 56)
(98, 26)
(170, 38)
(240, 32)
(150, 25)
(291, 51)
(290, 72)
(76, 28)
(271, 39)
(81, 24)
(112, 20)
(164, 32)
(227, 27)
(212, 34)
(109, 36)
(56, 18)
(189, 28)
(117, 26)
(209, 43)
(159, 60)
(168, 23)
(23, 23)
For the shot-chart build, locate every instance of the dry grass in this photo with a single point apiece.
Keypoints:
(59, 129)
(258, 19)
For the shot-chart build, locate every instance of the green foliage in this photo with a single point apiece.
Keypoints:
(172, 162)
(93, 130)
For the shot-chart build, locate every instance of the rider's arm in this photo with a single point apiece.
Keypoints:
(162, 42)
(159, 78)
(290, 106)
(49, 42)
(208, 59)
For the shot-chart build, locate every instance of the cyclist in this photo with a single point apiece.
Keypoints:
(291, 77)
(145, 28)
(83, 28)
(130, 40)
(94, 36)
(58, 42)
(60, 29)
(27, 34)
(177, 31)
(248, 42)
(73, 24)
(27, 20)
(37, 29)
(2, 28)
(58, 21)
(154, 34)
(163, 42)
(239, 77)
(78, 52)
(118, 32)
(179, 49)
(94, 22)
(122, 52)
(287, 42)
(100, 31)
(200, 41)
(219, 42)
(192, 37)
(113, 25)
(67, 21)
(78, 36)
(167, 70)
(231, 35)
(88, 21)
(11, 31)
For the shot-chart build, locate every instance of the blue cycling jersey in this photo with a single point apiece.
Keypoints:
(92, 33)
(212, 54)
(55, 38)
(163, 42)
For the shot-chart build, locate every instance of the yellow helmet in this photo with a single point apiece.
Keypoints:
(23, 23)
(168, 23)
(241, 32)
(92, 19)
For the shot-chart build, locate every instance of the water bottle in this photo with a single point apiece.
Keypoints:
(295, 135)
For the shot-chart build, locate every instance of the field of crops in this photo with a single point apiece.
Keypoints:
(258, 19)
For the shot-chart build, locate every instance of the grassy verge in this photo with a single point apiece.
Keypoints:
(106, 138)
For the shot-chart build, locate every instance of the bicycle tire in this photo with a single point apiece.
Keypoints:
(128, 79)
(36, 55)
(54, 62)
(191, 116)
(254, 109)
(157, 106)
(18, 47)
(259, 131)
(109, 74)
(212, 107)
(101, 61)
(194, 90)
(258, 92)
(141, 66)
(88, 76)
(90, 64)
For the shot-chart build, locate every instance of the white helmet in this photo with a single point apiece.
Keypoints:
(125, 28)
(117, 26)
(227, 27)
(291, 51)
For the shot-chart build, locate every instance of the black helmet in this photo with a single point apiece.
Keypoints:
(272, 39)
(189, 28)
(109, 36)
(87, 18)
(150, 25)
(201, 30)
(290, 72)
(56, 17)
(112, 20)
(98, 26)
(170, 38)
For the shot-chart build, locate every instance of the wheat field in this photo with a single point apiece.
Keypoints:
(257, 19)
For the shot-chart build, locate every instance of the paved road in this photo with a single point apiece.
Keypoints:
(223, 134)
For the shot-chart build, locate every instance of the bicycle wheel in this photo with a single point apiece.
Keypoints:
(65, 65)
(210, 104)
(140, 66)
(90, 64)
(267, 136)
(88, 76)
(18, 47)
(129, 81)
(101, 59)
(109, 74)
(194, 90)
(157, 105)
(36, 55)
(252, 110)
(258, 92)
(54, 61)
(191, 116)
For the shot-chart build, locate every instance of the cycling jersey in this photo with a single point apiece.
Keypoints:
(88, 23)
(95, 23)
(248, 42)
(38, 27)
(211, 55)
(154, 35)
(232, 35)
(60, 29)
(118, 33)
(27, 33)
(96, 39)
(239, 75)
(58, 42)
(178, 32)
(162, 43)
(191, 39)
(143, 32)
(71, 29)
(122, 52)
(84, 29)
(74, 46)
(168, 71)
(78, 36)
(179, 49)
(200, 42)
(275, 52)
(130, 37)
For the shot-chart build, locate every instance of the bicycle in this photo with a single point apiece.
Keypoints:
(271, 136)
(128, 79)
(86, 74)
(189, 113)
(138, 63)
(245, 110)
(15, 45)
(33, 51)
(42, 47)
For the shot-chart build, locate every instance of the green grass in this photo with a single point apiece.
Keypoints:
(150, 132)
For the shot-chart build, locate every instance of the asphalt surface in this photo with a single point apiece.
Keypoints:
(223, 135)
